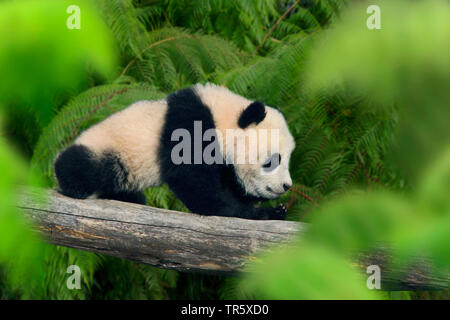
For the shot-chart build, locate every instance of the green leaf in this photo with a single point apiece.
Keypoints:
(21, 249)
(40, 56)
(306, 272)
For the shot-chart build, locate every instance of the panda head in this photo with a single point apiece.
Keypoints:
(262, 162)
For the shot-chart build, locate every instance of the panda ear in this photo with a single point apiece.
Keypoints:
(254, 113)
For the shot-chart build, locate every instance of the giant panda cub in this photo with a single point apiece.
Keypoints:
(142, 146)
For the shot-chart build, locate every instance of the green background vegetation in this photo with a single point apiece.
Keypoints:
(368, 109)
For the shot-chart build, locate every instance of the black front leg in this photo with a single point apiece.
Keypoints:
(235, 208)
(205, 190)
(203, 200)
(277, 213)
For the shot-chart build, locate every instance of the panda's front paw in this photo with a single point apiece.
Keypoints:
(278, 213)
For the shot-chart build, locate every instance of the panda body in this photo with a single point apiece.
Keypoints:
(132, 150)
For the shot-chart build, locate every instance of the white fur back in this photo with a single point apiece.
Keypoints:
(134, 134)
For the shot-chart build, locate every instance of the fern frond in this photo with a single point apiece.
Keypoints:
(126, 24)
(175, 58)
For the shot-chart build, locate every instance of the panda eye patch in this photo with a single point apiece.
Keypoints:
(272, 162)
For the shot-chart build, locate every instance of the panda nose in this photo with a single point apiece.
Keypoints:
(286, 186)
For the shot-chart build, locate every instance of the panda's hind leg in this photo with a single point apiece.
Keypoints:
(77, 172)
(81, 173)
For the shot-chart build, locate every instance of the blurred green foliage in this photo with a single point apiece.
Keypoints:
(307, 271)
(318, 266)
(367, 109)
(406, 63)
(21, 250)
(391, 66)
(36, 44)
(40, 58)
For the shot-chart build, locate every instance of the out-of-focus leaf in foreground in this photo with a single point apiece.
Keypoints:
(404, 63)
(40, 55)
(411, 48)
(21, 252)
(305, 272)
(431, 232)
(360, 221)
(40, 58)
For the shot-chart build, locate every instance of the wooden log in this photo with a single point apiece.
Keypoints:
(183, 241)
(158, 237)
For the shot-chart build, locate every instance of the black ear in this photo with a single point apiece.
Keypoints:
(254, 113)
